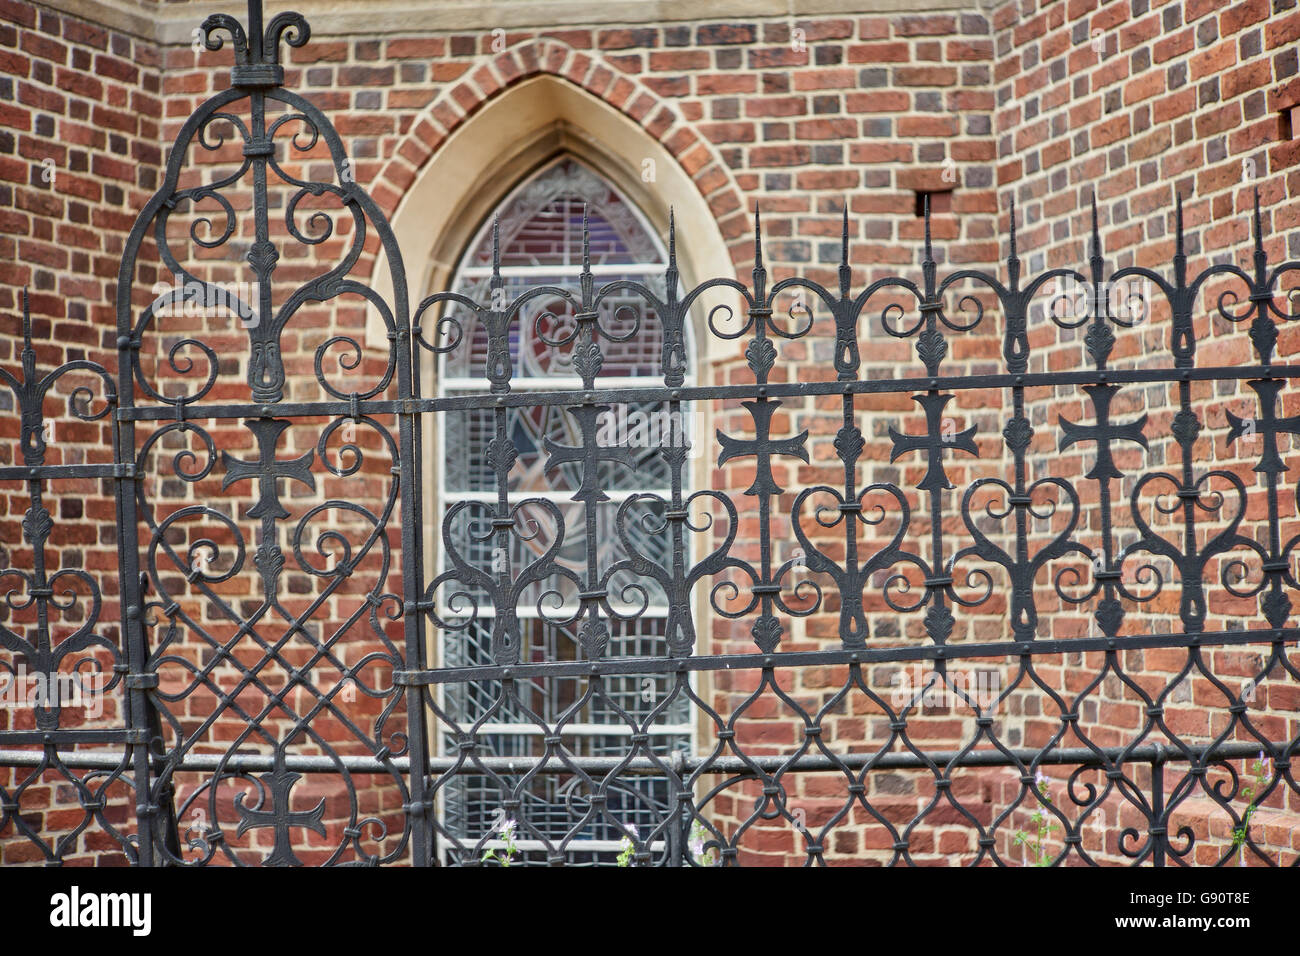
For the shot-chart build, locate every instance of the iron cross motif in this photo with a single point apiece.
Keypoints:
(279, 783)
(1267, 424)
(269, 558)
(767, 629)
(934, 442)
(762, 447)
(1103, 433)
(268, 468)
(589, 453)
(593, 634)
(1276, 605)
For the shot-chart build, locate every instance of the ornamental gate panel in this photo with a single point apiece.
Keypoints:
(1100, 618)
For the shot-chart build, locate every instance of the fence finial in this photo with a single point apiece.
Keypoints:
(1013, 228)
(1259, 226)
(846, 273)
(586, 241)
(758, 238)
(1013, 260)
(29, 352)
(27, 321)
(1096, 230)
(672, 239)
(928, 254)
(496, 247)
(257, 48)
(1178, 225)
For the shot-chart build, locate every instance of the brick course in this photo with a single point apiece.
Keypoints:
(1041, 104)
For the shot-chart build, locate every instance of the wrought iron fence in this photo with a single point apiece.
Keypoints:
(246, 676)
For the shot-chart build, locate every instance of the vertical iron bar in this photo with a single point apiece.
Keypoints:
(1158, 826)
(139, 726)
(408, 476)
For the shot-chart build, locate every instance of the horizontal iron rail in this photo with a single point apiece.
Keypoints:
(109, 735)
(767, 763)
(882, 655)
(55, 472)
(530, 398)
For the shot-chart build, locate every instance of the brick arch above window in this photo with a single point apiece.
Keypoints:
(522, 107)
(586, 71)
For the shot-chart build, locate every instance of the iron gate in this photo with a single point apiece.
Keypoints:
(273, 706)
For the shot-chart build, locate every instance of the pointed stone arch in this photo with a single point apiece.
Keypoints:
(519, 109)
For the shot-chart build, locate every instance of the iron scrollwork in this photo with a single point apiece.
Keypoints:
(273, 668)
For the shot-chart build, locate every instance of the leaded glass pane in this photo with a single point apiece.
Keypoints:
(541, 245)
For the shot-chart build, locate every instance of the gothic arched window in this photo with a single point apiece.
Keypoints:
(540, 239)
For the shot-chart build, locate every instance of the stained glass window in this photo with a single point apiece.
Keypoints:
(540, 234)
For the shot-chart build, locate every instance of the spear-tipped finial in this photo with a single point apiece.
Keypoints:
(846, 273)
(496, 247)
(1261, 259)
(1013, 260)
(586, 241)
(1096, 230)
(672, 239)
(758, 238)
(1013, 228)
(1259, 224)
(929, 254)
(1178, 225)
(29, 353)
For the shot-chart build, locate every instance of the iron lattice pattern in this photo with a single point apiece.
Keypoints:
(946, 597)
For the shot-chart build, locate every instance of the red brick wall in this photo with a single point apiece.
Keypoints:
(1142, 102)
(80, 146)
(875, 108)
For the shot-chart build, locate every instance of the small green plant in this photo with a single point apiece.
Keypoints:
(701, 856)
(627, 848)
(1262, 768)
(507, 855)
(1043, 822)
